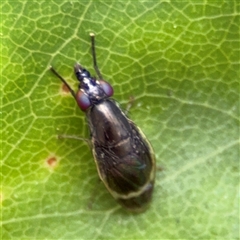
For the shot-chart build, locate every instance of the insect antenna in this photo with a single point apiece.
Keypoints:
(94, 56)
(64, 81)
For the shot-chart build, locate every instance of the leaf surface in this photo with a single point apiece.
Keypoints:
(180, 62)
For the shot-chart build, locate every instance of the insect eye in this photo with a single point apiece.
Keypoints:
(83, 100)
(107, 88)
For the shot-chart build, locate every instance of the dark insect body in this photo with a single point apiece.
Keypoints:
(124, 158)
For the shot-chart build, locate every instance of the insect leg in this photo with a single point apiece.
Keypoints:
(130, 104)
(62, 136)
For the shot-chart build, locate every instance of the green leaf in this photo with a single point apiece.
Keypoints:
(178, 59)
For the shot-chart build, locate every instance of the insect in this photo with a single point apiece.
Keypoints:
(124, 158)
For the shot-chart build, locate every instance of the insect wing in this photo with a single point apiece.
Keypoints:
(124, 158)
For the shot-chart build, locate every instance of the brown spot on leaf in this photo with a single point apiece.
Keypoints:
(52, 162)
(65, 88)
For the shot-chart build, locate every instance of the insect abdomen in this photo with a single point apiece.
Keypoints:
(122, 154)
